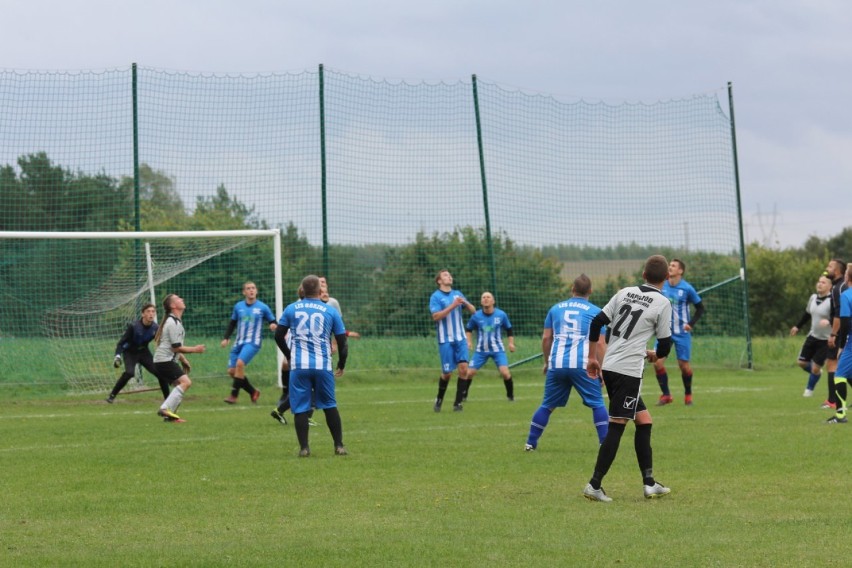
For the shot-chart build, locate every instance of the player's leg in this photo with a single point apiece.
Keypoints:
(502, 363)
(327, 401)
(683, 349)
(663, 381)
(644, 454)
(831, 369)
(130, 361)
(479, 359)
(623, 394)
(233, 355)
(301, 389)
(817, 360)
(592, 395)
(841, 386)
(284, 401)
(147, 361)
(557, 389)
(445, 352)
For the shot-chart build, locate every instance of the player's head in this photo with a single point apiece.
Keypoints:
(311, 286)
(656, 270)
(676, 268)
(300, 292)
(582, 286)
(444, 278)
(836, 267)
(849, 272)
(149, 312)
(823, 285)
(487, 300)
(250, 290)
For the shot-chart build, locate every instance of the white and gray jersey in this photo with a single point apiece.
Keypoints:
(636, 313)
(172, 336)
(820, 310)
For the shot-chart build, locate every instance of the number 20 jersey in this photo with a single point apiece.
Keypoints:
(636, 313)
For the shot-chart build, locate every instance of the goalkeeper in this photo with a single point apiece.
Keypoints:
(134, 346)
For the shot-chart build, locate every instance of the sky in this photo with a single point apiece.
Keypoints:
(789, 63)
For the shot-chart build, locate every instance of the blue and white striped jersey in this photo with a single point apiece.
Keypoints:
(489, 330)
(311, 324)
(680, 297)
(570, 321)
(451, 327)
(250, 319)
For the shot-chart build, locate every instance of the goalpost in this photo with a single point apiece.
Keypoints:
(75, 292)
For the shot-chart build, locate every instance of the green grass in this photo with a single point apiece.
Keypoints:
(750, 466)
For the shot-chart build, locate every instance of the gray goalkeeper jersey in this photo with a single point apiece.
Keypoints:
(819, 309)
(636, 313)
(171, 336)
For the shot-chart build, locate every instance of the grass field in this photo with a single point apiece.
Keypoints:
(751, 465)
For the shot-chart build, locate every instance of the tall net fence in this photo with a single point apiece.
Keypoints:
(377, 185)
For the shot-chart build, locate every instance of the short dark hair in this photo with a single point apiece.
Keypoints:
(145, 306)
(680, 263)
(656, 269)
(582, 285)
(311, 285)
(839, 262)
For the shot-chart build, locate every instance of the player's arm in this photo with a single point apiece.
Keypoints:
(232, 325)
(546, 345)
(342, 352)
(122, 345)
(593, 366)
(511, 335)
(802, 321)
(696, 315)
(281, 340)
(844, 324)
(124, 342)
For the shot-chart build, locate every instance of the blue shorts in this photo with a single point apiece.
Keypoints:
(558, 385)
(682, 344)
(844, 364)
(311, 385)
(452, 353)
(481, 357)
(244, 352)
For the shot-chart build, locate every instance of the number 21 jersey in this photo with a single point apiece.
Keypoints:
(636, 313)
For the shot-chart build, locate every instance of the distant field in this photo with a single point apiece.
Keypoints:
(91, 484)
(599, 270)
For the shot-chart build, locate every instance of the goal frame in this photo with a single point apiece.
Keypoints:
(275, 234)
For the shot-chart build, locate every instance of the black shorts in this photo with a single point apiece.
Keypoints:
(169, 371)
(815, 350)
(623, 392)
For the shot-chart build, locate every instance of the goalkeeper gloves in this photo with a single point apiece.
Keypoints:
(117, 361)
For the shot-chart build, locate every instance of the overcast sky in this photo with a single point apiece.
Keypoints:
(789, 62)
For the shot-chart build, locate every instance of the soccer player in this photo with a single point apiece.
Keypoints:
(634, 314)
(836, 269)
(844, 365)
(565, 347)
(134, 346)
(681, 294)
(247, 317)
(312, 324)
(170, 350)
(446, 307)
(489, 322)
(814, 350)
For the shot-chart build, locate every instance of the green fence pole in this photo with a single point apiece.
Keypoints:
(488, 239)
(137, 216)
(322, 165)
(740, 219)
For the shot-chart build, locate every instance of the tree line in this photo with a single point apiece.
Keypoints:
(384, 289)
